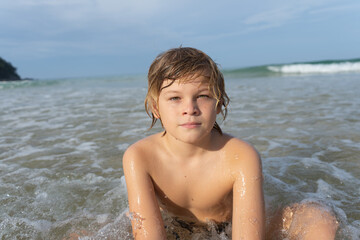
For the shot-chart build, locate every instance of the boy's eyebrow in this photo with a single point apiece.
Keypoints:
(200, 89)
(170, 91)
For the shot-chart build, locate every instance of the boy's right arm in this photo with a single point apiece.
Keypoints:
(145, 214)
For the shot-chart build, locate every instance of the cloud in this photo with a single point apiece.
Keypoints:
(281, 13)
(79, 13)
(48, 27)
(272, 17)
(83, 28)
(339, 8)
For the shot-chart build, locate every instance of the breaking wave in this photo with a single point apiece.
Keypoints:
(319, 67)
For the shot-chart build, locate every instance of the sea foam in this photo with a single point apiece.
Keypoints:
(317, 68)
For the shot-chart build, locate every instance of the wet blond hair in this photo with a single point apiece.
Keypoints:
(178, 63)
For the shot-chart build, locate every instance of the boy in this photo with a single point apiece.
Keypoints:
(192, 169)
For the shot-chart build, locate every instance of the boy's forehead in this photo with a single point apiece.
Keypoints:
(198, 78)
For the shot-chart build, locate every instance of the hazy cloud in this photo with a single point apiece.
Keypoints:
(33, 29)
(338, 8)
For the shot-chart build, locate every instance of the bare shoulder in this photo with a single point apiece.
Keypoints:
(240, 147)
(138, 153)
(242, 155)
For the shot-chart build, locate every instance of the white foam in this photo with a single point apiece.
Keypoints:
(102, 218)
(91, 178)
(350, 143)
(118, 229)
(325, 189)
(86, 146)
(133, 132)
(41, 196)
(26, 151)
(315, 162)
(334, 149)
(341, 174)
(317, 68)
(123, 183)
(123, 146)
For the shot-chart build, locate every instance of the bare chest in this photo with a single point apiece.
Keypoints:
(198, 192)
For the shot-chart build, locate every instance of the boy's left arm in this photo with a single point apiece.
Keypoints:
(248, 219)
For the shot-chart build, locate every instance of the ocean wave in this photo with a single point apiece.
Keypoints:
(317, 68)
(300, 68)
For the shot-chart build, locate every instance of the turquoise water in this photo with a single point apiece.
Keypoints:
(61, 144)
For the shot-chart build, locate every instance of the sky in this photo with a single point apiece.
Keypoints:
(84, 38)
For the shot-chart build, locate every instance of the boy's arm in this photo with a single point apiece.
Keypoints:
(145, 214)
(248, 220)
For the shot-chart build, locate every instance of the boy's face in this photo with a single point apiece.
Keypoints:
(187, 109)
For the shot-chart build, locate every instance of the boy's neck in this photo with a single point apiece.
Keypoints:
(185, 150)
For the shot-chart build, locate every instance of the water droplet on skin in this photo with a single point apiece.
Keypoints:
(257, 178)
(242, 189)
(253, 220)
(137, 220)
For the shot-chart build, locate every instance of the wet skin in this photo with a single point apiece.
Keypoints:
(193, 171)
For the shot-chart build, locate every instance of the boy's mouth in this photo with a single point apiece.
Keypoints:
(190, 125)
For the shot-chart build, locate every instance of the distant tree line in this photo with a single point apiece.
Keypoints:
(7, 71)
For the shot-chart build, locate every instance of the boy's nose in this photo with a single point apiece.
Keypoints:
(190, 108)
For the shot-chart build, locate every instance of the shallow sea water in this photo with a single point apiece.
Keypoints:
(61, 145)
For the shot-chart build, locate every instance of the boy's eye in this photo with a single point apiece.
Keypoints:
(174, 98)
